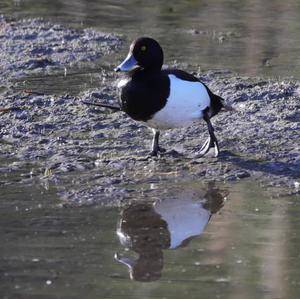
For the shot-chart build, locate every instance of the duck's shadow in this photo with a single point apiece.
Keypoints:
(271, 167)
(291, 170)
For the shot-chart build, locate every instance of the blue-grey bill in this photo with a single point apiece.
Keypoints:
(127, 65)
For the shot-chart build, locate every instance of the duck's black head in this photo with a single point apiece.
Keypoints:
(144, 53)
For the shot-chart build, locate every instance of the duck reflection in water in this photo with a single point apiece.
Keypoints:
(169, 223)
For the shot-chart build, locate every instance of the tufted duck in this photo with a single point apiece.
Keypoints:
(164, 99)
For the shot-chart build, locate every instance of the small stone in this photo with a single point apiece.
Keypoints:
(242, 174)
(230, 178)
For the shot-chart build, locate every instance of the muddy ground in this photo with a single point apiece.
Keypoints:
(93, 155)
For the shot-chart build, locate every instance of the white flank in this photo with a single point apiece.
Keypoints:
(184, 105)
(185, 218)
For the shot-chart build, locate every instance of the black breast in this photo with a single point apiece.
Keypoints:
(145, 94)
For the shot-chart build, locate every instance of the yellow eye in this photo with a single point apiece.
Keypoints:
(143, 48)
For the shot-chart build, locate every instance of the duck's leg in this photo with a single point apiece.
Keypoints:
(212, 141)
(155, 144)
(155, 141)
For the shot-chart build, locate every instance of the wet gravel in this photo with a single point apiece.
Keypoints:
(94, 155)
(33, 45)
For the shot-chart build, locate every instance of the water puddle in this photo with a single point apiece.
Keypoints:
(216, 241)
(256, 38)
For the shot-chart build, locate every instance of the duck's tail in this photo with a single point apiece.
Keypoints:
(227, 107)
(218, 104)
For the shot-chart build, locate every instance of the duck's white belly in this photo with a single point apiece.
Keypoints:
(185, 218)
(184, 106)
